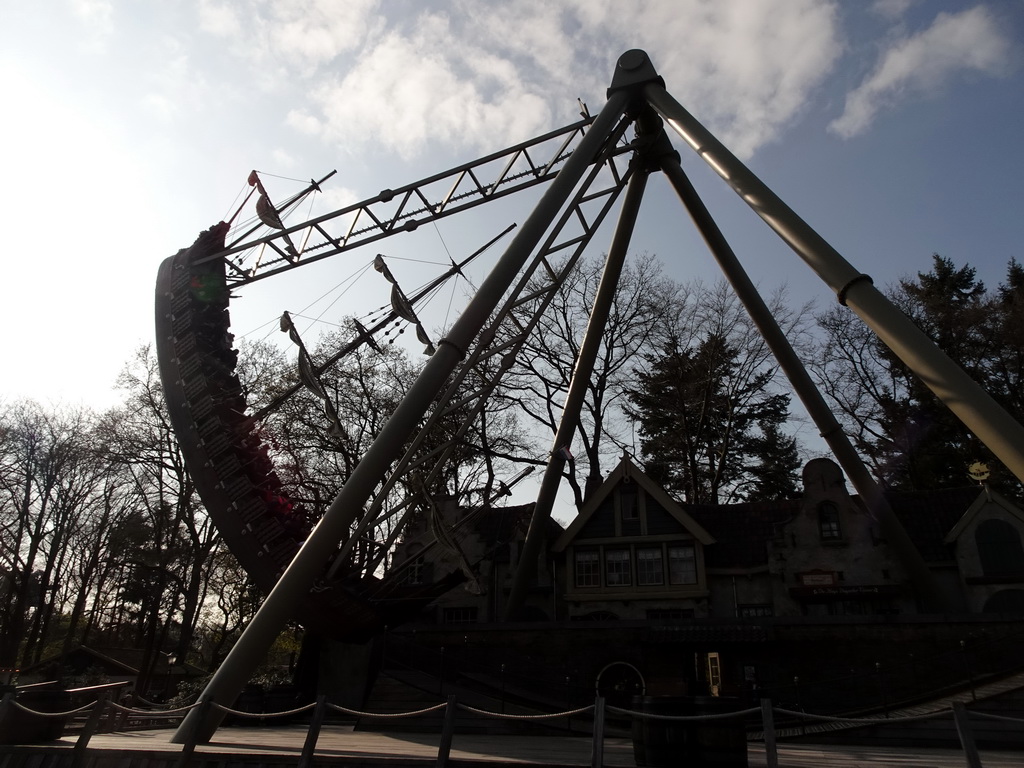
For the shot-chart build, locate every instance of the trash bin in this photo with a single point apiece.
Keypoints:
(719, 743)
(704, 743)
(658, 743)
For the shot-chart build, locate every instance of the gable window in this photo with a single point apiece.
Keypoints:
(414, 573)
(459, 615)
(616, 568)
(828, 522)
(627, 501)
(650, 570)
(588, 568)
(999, 548)
(682, 564)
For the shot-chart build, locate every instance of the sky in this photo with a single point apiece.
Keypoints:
(893, 127)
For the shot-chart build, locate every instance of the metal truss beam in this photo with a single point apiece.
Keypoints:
(392, 212)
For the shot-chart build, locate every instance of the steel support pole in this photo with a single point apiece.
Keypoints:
(931, 597)
(526, 569)
(301, 574)
(969, 402)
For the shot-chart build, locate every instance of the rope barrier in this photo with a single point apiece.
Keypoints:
(263, 715)
(693, 718)
(151, 712)
(865, 720)
(523, 717)
(70, 712)
(510, 716)
(149, 703)
(357, 713)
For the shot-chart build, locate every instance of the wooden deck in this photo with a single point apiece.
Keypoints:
(341, 746)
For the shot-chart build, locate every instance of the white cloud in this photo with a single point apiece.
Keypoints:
(304, 122)
(317, 31)
(283, 159)
(176, 86)
(480, 75)
(411, 90)
(294, 36)
(970, 41)
(485, 74)
(744, 69)
(98, 16)
(219, 18)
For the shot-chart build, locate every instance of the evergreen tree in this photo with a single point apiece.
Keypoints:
(909, 437)
(711, 427)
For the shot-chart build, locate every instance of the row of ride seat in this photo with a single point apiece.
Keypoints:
(226, 454)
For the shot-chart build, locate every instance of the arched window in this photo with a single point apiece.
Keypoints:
(828, 522)
(999, 548)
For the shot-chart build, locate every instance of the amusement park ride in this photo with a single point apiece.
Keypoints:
(327, 581)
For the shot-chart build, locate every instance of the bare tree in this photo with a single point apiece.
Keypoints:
(645, 303)
(314, 454)
(168, 567)
(49, 476)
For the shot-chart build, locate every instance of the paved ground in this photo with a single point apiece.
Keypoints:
(340, 742)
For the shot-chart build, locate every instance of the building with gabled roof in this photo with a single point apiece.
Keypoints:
(736, 598)
(635, 553)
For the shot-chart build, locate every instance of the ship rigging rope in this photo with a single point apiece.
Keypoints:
(451, 300)
(351, 280)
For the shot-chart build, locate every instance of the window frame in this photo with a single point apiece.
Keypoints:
(829, 525)
(593, 572)
(642, 572)
(459, 614)
(690, 547)
(629, 512)
(619, 556)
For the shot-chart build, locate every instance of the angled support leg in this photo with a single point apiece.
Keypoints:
(526, 569)
(961, 394)
(300, 576)
(931, 596)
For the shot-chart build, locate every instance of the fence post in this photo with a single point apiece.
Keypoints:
(800, 704)
(963, 729)
(447, 731)
(78, 754)
(315, 723)
(771, 752)
(192, 738)
(119, 718)
(597, 750)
